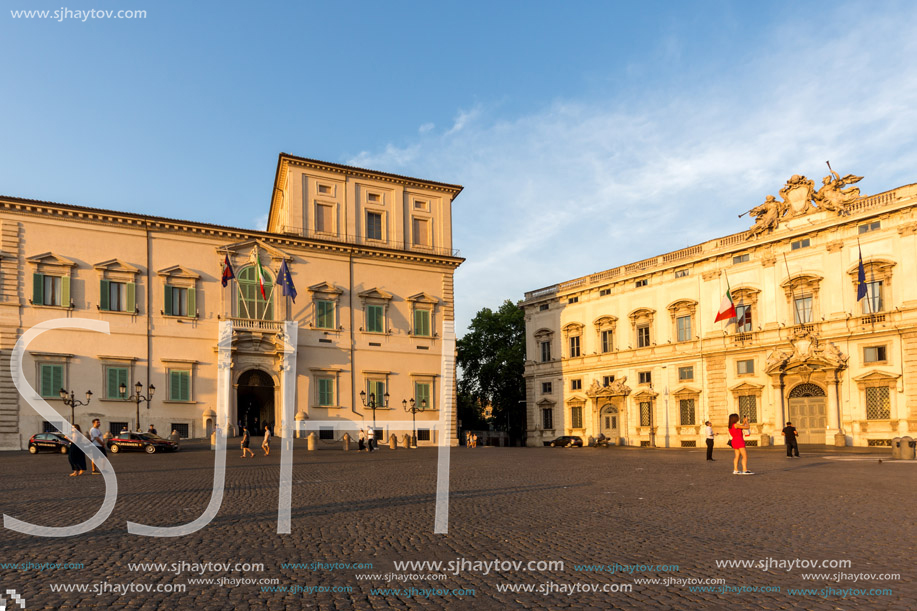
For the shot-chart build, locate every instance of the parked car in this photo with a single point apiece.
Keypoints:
(49, 442)
(567, 441)
(146, 442)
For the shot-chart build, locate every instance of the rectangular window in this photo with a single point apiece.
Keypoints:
(326, 392)
(376, 388)
(117, 296)
(422, 323)
(642, 282)
(643, 336)
(745, 366)
(326, 433)
(324, 189)
(547, 418)
(114, 378)
(51, 290)
(178, 301)
(574, 346)
(543, 307)
(576, 416)
(604, 292)
(878, 403)
(867, 227)
(740, 258)
(873, 302)
(682, 273)
(683, 328)
(874, 354)
(373, 197)
(686, 407)
(419, 205)
(545, 352)
(375, 319)
(421, 232)
(181, 428)
(607, 341)
(324, 218)
(685, 374)
(802, 310)
(573, 300)
(115, 428)
(646, 413)
(804, 243)
(645, 377)
(423, 392)
(576, 384)
(179, 385)
(52, 379)
(743, 319)
(607, 380)
(748, 406)
(324, 314)
(373, 226)
(547, 388)
(423, 434)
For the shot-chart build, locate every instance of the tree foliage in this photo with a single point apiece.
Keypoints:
(491, 357)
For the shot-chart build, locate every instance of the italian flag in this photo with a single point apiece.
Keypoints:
(727, 307)
(256, 260)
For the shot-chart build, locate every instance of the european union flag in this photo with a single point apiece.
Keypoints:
(228, 274)
(286, 281)
(861, 279)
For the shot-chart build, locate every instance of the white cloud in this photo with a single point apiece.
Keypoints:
(260, 223)
(426, 127)
(582, 186)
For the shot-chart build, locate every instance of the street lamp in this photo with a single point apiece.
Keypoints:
(414, 409)
(372, 404)
(70, 400)
(137, 397)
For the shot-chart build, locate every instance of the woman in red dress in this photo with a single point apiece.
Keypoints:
(737, 432)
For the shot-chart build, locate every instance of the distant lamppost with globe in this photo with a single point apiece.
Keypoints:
(414, 409)
(71, 401)
(137, 397)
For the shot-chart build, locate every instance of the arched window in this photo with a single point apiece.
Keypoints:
(249, 302)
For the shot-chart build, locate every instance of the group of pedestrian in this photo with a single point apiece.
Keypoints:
(76, 455)
(367, 441)
(737, 433)
(246, 442)
(471, 439)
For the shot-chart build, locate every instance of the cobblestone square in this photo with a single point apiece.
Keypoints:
(615, 518)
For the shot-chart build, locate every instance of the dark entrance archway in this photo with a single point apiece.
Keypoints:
(255, 401)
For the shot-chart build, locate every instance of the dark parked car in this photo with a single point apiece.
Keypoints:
(146, 442)
(567, 441)
(48, 442)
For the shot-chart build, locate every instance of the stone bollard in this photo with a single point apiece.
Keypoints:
(310, 442)
(907, 451)
(896, 447)
(176, 438)
(765, 441)
(346, 441)
(840, 440)
(392, 442)
(406, 441)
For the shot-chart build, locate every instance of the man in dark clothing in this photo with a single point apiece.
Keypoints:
(789, 437)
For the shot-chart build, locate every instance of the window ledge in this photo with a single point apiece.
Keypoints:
(117, 400)
(52, 307)
(121, 312)
(337, 330)
(180, 318)
(329, 407)
(182, 402)
(376, 333)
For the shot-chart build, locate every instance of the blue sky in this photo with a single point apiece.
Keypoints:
(586, 134)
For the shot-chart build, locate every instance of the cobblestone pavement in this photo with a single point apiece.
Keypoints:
(589, 508)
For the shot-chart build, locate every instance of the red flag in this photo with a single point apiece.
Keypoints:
(727, 307)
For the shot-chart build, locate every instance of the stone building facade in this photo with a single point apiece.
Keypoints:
(370, 255)
(633, 352)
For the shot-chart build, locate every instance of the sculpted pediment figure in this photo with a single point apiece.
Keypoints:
(833, 196)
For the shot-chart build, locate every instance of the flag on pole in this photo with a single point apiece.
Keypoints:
(727, 307)
(228, 274)
(256, 261)
(861, 278)
(285, 280)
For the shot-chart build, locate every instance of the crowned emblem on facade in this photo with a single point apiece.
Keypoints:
(809, 355)
(800, 198)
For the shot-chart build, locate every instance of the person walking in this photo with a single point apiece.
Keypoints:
(737, 432)
(710, 435)
(152, 430)
(266, 444)
(246, 440)
(370, 439)
(361, 445)
(789, 438)
(95, 436)
(76, 455)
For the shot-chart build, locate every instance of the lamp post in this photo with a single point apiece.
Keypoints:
(71, 401)
(414, 409)
(372, 404)
(137, 397)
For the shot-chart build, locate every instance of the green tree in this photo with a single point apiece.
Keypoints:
(491, 359)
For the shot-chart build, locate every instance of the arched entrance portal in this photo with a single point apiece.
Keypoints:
(255, 401)
(608, 421)
(807, 412)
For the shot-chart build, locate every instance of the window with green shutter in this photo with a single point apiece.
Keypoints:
(375, 319)
(377, 389)
(326, 392)
(52, 379)
(422, 323)
(179, 385)
(117, 296)
(114, 378)
(422, 393)
(324, 314)
(51, 290)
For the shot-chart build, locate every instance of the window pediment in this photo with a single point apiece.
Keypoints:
(682, 307)
(605, 322)
(576, 400)
(745, 294)
(116, 266)
(245, 247)
(375, 294)
(805, 282)
(545, 403)
(49, 259)
(573, 328)
(544, 334)
(644, 394)
(423, 298)
(641, 315)
(876, 378)
(685, 392)
(325, 288)
(177, 271)
(747, 388)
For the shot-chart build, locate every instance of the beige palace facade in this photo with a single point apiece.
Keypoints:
(633, 352)
(370, 255)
